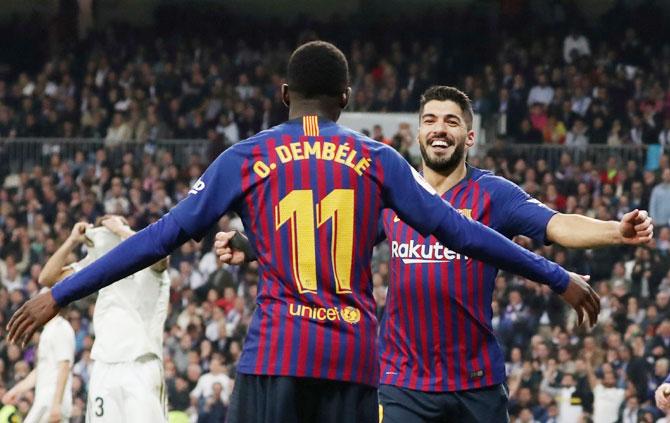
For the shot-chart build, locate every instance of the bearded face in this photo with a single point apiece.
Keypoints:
(443, 135)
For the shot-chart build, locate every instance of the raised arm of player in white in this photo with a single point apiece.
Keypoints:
(25, 385)
(56, 267)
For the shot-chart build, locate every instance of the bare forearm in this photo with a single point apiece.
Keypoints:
(593, 380)
(576, 231)
(53, 269)
(26, 384)
(61, 381)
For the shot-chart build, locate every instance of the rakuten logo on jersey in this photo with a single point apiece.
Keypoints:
(413, 253)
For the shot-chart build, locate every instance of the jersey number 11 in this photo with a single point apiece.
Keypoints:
(297, 209)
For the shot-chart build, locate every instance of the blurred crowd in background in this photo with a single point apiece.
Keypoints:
(569, 87)
(575, 89)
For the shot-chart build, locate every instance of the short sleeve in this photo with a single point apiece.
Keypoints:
(63, 346)
(216, 192)
(522, 214)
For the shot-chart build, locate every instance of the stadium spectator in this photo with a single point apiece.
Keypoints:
(659, 203)
(616, 75)
(575, 45)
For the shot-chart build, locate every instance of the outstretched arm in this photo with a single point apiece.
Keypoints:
(576, 231)
(119, 227)
(191, 218)
(134, 254)
(417, 204)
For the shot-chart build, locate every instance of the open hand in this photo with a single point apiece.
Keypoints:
(31, 316)
(582, 298)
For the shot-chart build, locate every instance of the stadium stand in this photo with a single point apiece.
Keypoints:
(114, 114)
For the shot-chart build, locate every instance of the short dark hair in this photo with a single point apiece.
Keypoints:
(316, 69)
(444, 93)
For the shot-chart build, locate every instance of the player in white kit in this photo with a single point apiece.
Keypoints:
(51, 377)
(127, 383)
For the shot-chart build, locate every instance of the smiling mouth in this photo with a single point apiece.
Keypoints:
(440, 144)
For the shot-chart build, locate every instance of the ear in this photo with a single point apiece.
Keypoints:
(344, 100)
(285, 97)
(470, 138)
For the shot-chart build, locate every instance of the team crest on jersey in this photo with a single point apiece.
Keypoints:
(351, 315)
(465, 212)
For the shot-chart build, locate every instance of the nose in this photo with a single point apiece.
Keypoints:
(440, 127)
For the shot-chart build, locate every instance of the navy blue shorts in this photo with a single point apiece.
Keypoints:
(279, 399)
(483, 405)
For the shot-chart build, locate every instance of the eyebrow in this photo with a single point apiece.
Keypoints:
(448, 116)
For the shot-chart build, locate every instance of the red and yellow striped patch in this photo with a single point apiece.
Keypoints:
(310, 126)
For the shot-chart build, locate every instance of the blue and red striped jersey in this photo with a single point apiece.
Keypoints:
(436, 332)
(310, 194)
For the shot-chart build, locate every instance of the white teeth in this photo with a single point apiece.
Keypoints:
(439, 144)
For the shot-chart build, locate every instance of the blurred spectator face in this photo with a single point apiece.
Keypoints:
(649, 178)
(193, 372)
(228, 293)
(666, 176)
(526, 416)
(13, 353)
(568, 381)
(664, 329)
(525, 396)
(377, 132)
(609, 379)
(444, 135)
(660, 368)
(563, 355)
(216, 366)
(181, 384)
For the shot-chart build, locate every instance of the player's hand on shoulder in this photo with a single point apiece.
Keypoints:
(582, 298)
(636, 227)
(225, 251)
(31, 316)
(78, 231)
(663, 397)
